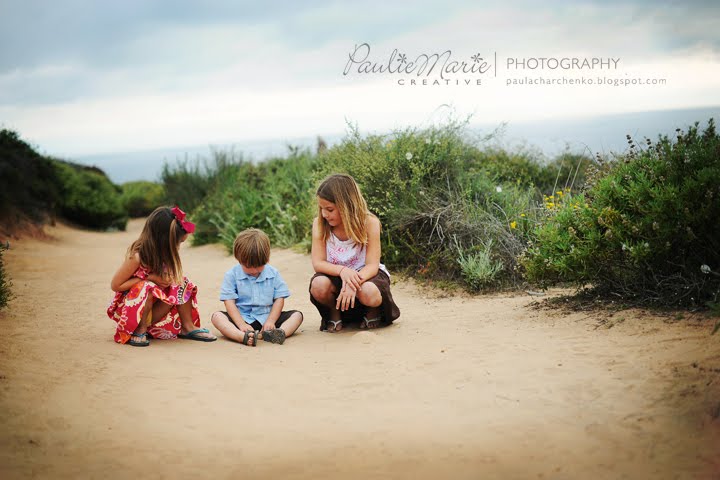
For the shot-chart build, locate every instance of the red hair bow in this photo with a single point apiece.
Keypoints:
(189, 227)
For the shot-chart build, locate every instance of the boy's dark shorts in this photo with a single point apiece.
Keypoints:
(258, 326)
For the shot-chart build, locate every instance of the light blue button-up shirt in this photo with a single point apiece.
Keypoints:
(254, 296)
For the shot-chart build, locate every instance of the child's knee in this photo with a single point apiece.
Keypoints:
(370, 294)
(321, 287)
(216, 318)
(298, 317)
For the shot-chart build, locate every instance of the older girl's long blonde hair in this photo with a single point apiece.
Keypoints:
(159, 245)
(342, 190)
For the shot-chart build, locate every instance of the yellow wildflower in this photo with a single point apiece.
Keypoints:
(513, 224)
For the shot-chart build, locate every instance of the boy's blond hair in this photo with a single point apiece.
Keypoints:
(252, 248)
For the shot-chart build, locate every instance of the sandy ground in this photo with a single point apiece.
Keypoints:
(459, 387)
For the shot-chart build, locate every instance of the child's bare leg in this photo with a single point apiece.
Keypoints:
(159, 310)
(369, 295)
(144, 323)
(229, 330)
(291, 324)
(325, 293)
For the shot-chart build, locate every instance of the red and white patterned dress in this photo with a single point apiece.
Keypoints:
(128, 308)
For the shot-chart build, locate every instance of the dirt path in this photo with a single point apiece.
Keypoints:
(458, 388)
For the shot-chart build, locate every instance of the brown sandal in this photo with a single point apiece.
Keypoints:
(246, 339)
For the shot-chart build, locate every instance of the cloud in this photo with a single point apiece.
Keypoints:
(86, 49)
(35, 32)
(84, 77)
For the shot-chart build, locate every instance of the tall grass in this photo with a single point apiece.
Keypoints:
(188, 182)
(275, 196)
(450, 208)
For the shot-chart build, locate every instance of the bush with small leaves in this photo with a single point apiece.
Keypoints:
(89, 198)
(644, 227)
(141, 198)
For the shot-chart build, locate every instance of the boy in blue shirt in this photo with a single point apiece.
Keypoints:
(254, 294)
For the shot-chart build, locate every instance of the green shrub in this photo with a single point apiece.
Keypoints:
(187, 183)
(644, 227)
(449, 209)
(88, 197)
(141, 198)
(275, 196)
(527, 168)
(437, 200)
(36, 187)
(5, 284)
(29, 182)
(566, 172)
(479, 269)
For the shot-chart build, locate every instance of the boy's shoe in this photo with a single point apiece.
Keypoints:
(276, 335)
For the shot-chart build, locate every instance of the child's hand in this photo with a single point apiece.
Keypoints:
(346, 299)
(158, 280)
(350, 278)
(268, 326)
(246, 328)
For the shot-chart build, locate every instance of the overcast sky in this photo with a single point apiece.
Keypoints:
(80, 76)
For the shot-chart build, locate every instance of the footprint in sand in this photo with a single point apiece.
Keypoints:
(367, 338)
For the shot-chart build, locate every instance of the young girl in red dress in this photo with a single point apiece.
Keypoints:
(153, 298)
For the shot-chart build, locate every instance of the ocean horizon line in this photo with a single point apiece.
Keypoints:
(604, 134)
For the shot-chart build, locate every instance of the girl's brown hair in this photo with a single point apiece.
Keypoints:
(342, 190)
(159, 245)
